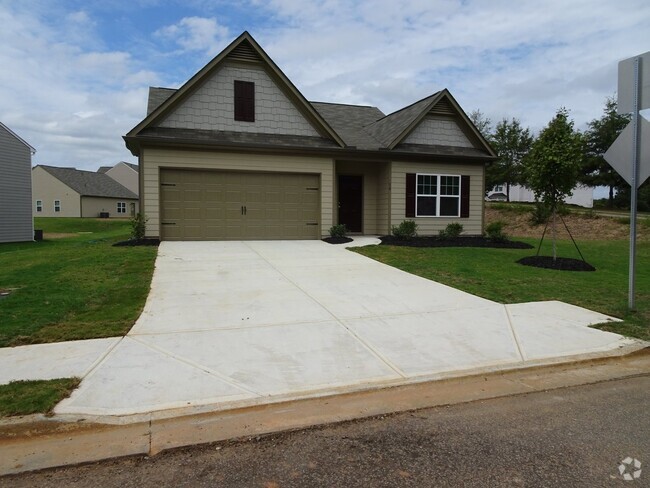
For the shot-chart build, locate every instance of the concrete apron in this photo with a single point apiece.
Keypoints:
(38, 442)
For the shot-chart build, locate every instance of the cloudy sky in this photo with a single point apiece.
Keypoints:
(74, 74)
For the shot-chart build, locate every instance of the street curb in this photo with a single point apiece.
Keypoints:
(38, 442)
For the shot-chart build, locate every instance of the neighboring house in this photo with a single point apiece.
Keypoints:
(16, 221)
(582, 195)
(126, 174)
(237, 152)
(70, 192)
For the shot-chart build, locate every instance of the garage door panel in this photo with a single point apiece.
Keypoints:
(208, 205)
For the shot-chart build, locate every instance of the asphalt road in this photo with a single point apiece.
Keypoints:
(570, 437)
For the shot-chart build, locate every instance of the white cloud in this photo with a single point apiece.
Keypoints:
(196, 34)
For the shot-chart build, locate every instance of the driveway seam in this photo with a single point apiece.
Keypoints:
(201, 367)
(359, 339)
(102, 357)
(520, 349)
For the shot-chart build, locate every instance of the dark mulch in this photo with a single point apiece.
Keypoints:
(461, 241)
(562, 264)
(138, 242)
(337, 240)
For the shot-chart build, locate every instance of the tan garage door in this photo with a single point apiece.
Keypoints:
(215, 205)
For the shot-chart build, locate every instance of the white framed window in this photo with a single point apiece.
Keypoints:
(57, 205)
(437, 195)
(498, 188)
(39, 205)
(121, 207)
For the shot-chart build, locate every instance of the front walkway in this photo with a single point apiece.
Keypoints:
(237, 323)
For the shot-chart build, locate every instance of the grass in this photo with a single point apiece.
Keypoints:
(77, 287)
(494, 274)
(28, 397)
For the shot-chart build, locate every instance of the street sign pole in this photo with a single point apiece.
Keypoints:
(635, 177)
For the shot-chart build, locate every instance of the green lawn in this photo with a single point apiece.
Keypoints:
(27, 397)
(493, 274)
(77, 287)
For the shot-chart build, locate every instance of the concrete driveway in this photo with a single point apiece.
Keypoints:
(238, 323)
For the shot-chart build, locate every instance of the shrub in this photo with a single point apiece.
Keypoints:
(138, 226)
(495, 232)
(590, 215)
(539, 214)
(405, 230)
(338, 230)
(452, 231)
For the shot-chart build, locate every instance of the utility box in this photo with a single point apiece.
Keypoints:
(103, 215)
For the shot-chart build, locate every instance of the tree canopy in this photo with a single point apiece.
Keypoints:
(511, 143)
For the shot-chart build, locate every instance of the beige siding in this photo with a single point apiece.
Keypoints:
(431, 225)
(152, 159)
(47, 188)
(384, 200)
(125, 176)
(375, 192)
(92, 206)
(211, 106)
(435, 129)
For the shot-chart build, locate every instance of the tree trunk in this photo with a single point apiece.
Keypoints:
(508, 192)
(610, 203)
(554, 237)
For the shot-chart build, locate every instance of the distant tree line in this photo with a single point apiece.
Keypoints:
(559, 152)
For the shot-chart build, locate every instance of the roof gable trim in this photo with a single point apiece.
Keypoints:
(31, 149)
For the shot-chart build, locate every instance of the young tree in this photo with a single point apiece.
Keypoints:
(599, 136)
(553, 164)
(482, 123)
(511, 143)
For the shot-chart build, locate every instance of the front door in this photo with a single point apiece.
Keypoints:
(351, 202)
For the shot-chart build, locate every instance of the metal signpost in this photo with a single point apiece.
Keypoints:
(630, 153)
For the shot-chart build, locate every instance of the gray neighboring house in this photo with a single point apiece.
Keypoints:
(238, 152)
(70, 192)
(16, 220)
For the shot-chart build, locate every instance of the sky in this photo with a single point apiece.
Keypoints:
(74, 75)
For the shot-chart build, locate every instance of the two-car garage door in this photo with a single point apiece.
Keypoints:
(215, 205)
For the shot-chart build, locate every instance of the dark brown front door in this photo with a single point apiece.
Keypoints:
(351, 202)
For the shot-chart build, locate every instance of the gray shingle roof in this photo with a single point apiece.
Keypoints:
(388, 128)
(134, 167)
(103, 169)
(157, 96)
(349, 121)
(90, 183)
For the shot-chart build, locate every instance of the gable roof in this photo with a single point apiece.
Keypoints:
(349, 121)
(89, 183)
(244, 48)
(20, 139)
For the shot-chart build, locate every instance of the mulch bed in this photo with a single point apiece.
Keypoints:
(461, 241)
(562, 264)
(138, 242)
(337, 240)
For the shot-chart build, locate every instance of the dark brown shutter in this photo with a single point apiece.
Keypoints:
(245, 101)
(410, 194)
(464, 197)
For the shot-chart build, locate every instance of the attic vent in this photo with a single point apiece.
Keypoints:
(443, 107)
(244, 52)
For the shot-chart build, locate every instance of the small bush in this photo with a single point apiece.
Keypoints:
(590, 215)
(539, 214)
(452, 231)
(407, 229)
(495, 232)
(338, 230)
(138, 226)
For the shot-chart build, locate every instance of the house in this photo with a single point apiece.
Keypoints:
(16, 222)
(237, 152)
(70, 192)
(126, 174)
(582, 195)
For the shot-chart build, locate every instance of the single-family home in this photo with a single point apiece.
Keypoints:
(237, 152)
(16, 221)
(70, 192)
(581, 195)
(126, 174)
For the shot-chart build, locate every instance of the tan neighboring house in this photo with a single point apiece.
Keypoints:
(126, 174)
(70, 192)
(237, 152)
(16, 222)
